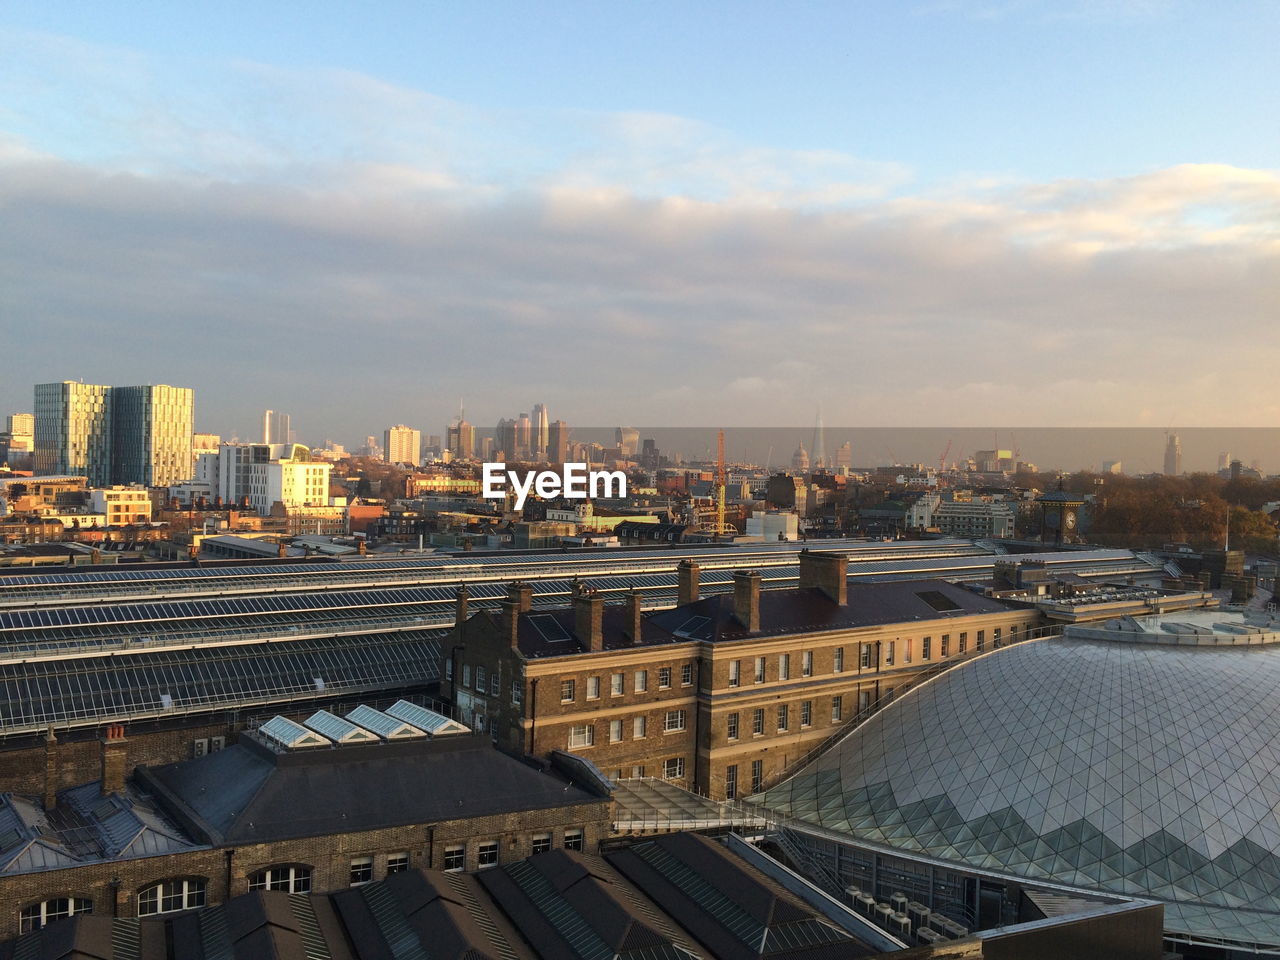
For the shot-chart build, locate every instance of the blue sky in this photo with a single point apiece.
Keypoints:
(750, 199)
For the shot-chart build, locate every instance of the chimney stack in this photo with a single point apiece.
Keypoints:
(281, 551)
(687, 577)
(635, 623)
(521, 594)
(588, 615)
(461, 598)
(50, 770)
(746, 599)
(115, 757)
(509, 617)
(829, 572)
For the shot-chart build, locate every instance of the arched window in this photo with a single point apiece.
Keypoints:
(291, 879)
(38, 914)
(168, 896)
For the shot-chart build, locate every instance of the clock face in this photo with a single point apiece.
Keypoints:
(1070, 520)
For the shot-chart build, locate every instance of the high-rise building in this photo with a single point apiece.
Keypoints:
(844, 455)
(460, 438)
(1173, 456)
(277, 427)
(402, 444)
(628, 440)
(541, 431)
(151, 431)
(819, 459)
(504, 438)
(558, 441)
(115, 435)
(73, 430)
(1224, 461)
(524, 437)
(18, 439)
(20, 424)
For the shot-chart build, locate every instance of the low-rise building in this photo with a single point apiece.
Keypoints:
(723, 694)
(121, 505)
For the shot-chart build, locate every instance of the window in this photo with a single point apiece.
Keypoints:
(615, 731)
(455, 857)
(397, 862)
(735, 672)
(448, 669)
(757, 721)
(482, 680)
(837, 660)
(568, 691)
(924, 647)
(541, 842)
(1013, 633)
(731, 727)
(806, 713)
(731, 781)
(361, 871)
(864, 700)
(888, 657)
(865, 657)
(288, 879)
(582, 735)
(944, 645)
(593, 688)
(487, 854)
(673, 769)
(494, 685)
(995, 636)
(664, 678)
(638, 725)
(982, 636)
(171, 895)
(617, 684)
(38, 914)
(806, 664)
(784, 666)
(673, 721)
(837, 709)
(641, 681)
(907, 653)
(757, 775)
(686, 674)
(759, 669)
(964, 642)
(517, 692)
(637, 770)
(466, 674)
(784, 716)
(573, 838)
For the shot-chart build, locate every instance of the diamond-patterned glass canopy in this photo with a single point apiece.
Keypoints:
(1118, 766)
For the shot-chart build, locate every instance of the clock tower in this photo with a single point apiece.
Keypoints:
(1060, 516)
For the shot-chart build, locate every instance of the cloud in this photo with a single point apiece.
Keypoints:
(654, 270)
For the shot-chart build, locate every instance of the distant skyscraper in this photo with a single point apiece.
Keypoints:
(1173, 456)
(541, 430)
(1224, 461)
(844, 456)
(558, 441)
(115, 434)
(460, 438)
(524, 437)
(402, 444)
(73, 430)
(277, 427)
(151, 430)
(819, 458)
(628, 440)
(20, 424)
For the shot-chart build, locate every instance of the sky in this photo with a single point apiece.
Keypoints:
(912, 213)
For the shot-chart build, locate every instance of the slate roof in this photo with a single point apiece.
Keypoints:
(549, 633)
(248, 793)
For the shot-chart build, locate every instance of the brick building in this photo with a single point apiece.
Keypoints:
(723, 694)
(258, 815)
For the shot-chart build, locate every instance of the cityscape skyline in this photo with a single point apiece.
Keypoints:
(337, 203)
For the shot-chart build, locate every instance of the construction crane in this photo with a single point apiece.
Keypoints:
(721, 483)
(942, 460)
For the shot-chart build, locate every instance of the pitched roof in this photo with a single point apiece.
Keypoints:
(250, 794)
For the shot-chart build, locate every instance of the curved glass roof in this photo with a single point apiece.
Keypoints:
(1117, 766)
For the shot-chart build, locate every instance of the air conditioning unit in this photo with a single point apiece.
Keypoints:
(217, 743)
(200, 747)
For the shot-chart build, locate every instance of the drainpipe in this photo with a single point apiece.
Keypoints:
(533, 712)
(229, 854)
